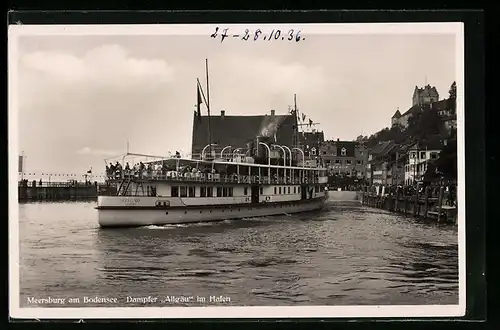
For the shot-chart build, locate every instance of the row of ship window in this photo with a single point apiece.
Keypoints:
(183, 191)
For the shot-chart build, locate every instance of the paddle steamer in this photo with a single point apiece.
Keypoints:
(179, 190)
(263, 179)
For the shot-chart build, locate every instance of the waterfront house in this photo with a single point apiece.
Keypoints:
(386, 164)
(419, 156)
(347, 158)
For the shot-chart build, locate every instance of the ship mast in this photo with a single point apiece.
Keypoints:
(208, 110)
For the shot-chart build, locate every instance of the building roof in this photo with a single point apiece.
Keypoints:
(397, 114)
(350, 148)
(440, 105)
(431, 144)
(412, 110)
(237, 131)
(311, 138)
(382, 148)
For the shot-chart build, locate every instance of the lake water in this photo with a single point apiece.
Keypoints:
(347, 254)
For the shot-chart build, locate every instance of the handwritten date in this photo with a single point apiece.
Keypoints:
(276, 34)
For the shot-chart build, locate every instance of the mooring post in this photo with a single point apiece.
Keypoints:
(396, 202)
(426, 202)
(440, 202)
(415, 205)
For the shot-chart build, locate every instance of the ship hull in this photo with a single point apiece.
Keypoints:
(136, 217)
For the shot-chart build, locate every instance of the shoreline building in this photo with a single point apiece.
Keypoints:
(347, 158)
(420, 155)
(387, 164)
(229, 133)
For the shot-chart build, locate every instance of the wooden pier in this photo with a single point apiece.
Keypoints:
(57, 191)
(423, 206)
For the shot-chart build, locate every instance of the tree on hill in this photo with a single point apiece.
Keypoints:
(425, 123)
(452, 99)
(395, 133)
(447, 161)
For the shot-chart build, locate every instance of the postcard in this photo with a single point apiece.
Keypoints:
(236, 171)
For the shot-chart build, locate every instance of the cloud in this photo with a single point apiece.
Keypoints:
(105, 65)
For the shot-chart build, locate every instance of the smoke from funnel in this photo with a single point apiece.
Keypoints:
(269, 126)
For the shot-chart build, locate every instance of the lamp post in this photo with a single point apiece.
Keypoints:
(284, 158)
(205, 148)
(222, 151)
(268, 160)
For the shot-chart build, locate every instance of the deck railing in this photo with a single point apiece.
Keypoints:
(211, 177)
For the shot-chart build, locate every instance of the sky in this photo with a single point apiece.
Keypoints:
(82, 97)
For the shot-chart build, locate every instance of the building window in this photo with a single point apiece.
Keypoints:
(313, 151)
(324, 152)
(183, 191)
(275, 190)
(225, 192)
(245, 191)
(361, 153)
(174, 192)
(334, 153)
(359, 162)
(342, 152)
(219, 191)
(228, 192)
(294, 190)
(433, 155)
(261, 191)
(279, 190)
(191, 191)
(298, 189)
(203, 191)
(348, 162)
(288, 189)
(210, 192)
(422, 155)
(337, 161)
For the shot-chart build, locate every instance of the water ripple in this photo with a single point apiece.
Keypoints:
(346, 254)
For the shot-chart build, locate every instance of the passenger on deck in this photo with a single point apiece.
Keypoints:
(136, 171)
(127, 170)
(150, 170)
(118, 170)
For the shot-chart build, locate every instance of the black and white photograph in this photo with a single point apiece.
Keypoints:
(236, 170)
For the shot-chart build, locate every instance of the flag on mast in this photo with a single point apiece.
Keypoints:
(198, 102)
(20, 168)
(303, 117)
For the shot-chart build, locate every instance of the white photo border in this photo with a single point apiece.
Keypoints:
(247, 312)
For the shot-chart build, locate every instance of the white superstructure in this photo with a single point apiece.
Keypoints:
(177, 190)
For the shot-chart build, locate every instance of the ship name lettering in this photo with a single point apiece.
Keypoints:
(130, 201)
(178, 299)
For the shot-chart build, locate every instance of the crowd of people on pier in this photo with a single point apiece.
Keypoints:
(431, 190)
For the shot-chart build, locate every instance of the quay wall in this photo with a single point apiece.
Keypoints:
(344, 196)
